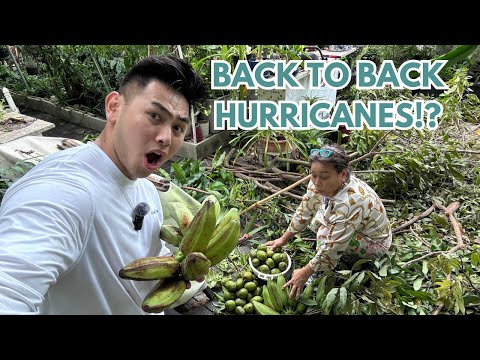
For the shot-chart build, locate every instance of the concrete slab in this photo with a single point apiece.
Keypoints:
(201, 150)
(33, 127)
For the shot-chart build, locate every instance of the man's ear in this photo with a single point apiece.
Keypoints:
(112, 102)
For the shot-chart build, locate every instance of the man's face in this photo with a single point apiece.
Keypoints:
(148, 129)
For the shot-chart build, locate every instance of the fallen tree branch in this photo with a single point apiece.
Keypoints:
(423, 257)
(195, 189)
(374, 171)
(449, 210)
(226, 160)
(414, 219)
(291, 161)
(276, 188)
(275, 194)
(468, 151)
(438, 309)
(388, 201)
(423, 241)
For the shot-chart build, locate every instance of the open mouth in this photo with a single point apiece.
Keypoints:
(153, 160)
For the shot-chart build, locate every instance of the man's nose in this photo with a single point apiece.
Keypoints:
(164, 136)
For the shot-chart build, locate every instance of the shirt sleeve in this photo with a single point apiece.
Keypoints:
(306, 210)
(43, 231)
(335, 236)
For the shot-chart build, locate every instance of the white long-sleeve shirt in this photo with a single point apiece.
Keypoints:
(354, 220)
(66, 229)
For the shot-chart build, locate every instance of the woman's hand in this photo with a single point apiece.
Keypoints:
(298, 280)
(273, 244)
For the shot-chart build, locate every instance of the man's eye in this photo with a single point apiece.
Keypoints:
(179, 129)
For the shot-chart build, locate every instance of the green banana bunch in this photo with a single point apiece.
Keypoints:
(215, 201)
(282, 292)
(275, 295)
(164, 294)
(231, 215)
(225, 237)
(200, 230)
(266, 297)
(151, 268)
(307, 294)
(181, 214)
(291, 301)
(171, 234)
(263, 309)
(194, 266)
(202, 243)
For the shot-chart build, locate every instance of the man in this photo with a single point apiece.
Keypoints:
(69, 225)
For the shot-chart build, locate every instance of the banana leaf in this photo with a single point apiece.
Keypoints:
(456, 55)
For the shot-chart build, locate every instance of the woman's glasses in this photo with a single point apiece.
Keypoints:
(321, 152)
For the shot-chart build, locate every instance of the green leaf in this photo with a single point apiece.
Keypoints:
(387, 161)
(421, 295)
(417, 284)
(439, 220)
(433, 235)
(384, 270)
(357, 264)
(320, 290)
(254, 231)
(471, 299)
(409, 304)
(456, 55)
(365, 297)
(179, 173)
(216, 185)
(307, 301)
(18, 169)
(358, 281)
(163, 173)
(456, 174)
(342, 301)
(425, 267)
(353, 277)
(329, 301)
(475, 258)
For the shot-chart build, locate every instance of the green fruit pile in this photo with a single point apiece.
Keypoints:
(238, 294)
(269, 261)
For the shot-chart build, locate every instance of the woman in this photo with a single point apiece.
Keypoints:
(348, 214)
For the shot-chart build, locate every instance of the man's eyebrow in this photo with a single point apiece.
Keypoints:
(160, 107)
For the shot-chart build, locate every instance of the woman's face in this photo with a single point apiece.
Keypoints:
(326, 179)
